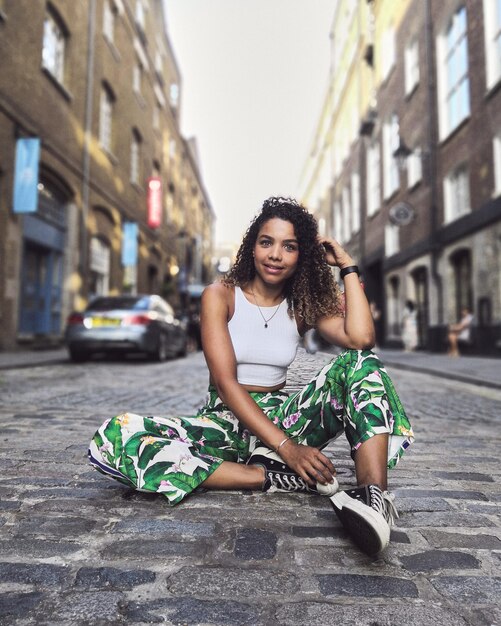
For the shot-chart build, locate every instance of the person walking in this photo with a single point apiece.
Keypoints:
(252, 434)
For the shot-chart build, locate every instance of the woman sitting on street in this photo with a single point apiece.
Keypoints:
(251, 434)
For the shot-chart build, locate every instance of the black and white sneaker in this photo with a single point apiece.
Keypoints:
(280, 477)
(367, 513)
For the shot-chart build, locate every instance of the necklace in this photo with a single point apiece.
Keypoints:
(259, 308)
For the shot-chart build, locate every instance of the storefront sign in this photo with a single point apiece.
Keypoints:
(154, 202)
(129, 244)
(25, 198)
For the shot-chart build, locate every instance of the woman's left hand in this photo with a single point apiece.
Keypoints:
(335, 255)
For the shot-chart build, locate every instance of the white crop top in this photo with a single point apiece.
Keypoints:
(263, 354)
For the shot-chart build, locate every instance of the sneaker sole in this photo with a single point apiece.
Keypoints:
(368, 529)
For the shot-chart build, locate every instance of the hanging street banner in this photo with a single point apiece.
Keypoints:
(129, 244)
(154, 201)
(26, 175)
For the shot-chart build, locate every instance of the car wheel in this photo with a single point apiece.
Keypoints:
(78, 356)
(162, 349)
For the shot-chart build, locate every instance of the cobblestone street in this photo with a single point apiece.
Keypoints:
(77, 548)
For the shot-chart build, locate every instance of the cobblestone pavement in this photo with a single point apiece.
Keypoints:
(77, 548)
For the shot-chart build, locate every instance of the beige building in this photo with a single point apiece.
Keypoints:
(97, 83)
(405, 167)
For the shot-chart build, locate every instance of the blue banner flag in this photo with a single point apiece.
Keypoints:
(129, 244)
(26, 175)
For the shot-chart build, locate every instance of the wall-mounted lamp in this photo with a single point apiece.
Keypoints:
(401, 154)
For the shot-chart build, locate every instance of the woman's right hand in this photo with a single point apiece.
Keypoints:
(311, 464)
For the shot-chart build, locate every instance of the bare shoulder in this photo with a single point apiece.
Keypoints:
(217, 292)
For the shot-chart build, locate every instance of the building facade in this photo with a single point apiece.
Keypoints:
(97, 85)
(411, 185)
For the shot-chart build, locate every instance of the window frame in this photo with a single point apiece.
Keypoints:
(454, 98)
(391, 173)
(57, 66)
(412, 69)
(106, 107)
(454, 196)
(373, 178)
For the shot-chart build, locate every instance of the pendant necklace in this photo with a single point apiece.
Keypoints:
(259, 308)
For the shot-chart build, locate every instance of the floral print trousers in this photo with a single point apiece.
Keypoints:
(175, 455)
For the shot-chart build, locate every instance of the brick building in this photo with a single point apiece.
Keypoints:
(97, 82)
(405, 168)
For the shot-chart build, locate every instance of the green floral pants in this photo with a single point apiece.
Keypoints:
(175, 455)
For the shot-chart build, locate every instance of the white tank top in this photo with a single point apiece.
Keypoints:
(263, 354)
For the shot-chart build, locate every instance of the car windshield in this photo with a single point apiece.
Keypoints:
(120, 302)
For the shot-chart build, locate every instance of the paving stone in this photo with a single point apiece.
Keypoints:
(469, 589)
(38, 549)
(18, 605)
(193, 611)
(313, 613)
(137, 549)
(406, 505)
(102, 577)
(10, 505)
(232, 582)
(460, 540)
(89, 607)
(253, 544)
(439, 559)
(446, 518)
(55, 526)
(33, 574)
(310, 532)
(451, 494)
(366, 586)
(174, 528)
(398, 536)
(465, 476)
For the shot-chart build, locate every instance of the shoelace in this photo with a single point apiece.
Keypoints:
(289, 483)
(383, 502)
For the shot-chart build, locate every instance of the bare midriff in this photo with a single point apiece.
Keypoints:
(258, 389)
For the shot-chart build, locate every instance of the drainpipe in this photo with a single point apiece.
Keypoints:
(432, 157)
(89, 93)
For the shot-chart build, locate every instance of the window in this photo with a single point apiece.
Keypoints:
(373, 178)
(456, 194)
(172, 148)
(135, 157)
(414, 167)
(454, 94)
(54, 44)
(387, 54)
(109, 20)
(106, 118)
(156, 117)
(174, 95)
(337, 221)
(139, 14)
(346, 225)
(411, 66)
(355, 202)
(137, 77)
(391, 177)
(99, 267)
(492, 28)
(391, 239)
(497, 164)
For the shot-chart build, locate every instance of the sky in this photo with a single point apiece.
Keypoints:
(254, 75)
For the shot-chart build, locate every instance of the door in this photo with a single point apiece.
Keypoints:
(40, 291)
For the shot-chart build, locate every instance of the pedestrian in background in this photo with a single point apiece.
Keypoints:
(409, 327)
(251, 434)
(460, 333)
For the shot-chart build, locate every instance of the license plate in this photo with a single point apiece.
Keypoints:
(105, 321)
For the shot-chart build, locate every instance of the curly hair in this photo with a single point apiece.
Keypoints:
(311, 292)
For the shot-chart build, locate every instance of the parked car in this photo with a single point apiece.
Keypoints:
(127, 323)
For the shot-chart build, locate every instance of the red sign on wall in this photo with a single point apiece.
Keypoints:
(154, 200)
